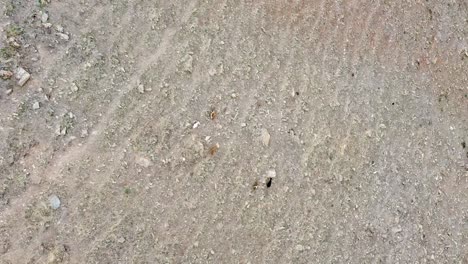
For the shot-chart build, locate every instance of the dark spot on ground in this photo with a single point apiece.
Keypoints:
(268, 183)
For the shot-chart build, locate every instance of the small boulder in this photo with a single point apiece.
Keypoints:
(22, 76)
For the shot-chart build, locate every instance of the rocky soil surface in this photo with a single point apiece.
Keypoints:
(151, 131)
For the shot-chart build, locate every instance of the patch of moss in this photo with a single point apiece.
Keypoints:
(7, 52)
(9, 8)
(42, 3)
(14, 31)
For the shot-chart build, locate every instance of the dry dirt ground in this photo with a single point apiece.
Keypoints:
(196, 131)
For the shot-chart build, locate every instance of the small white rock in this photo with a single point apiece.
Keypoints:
(187, 63)
(84, 133)
(19, 73)
(195, 125)
(121, 240)
(59, 28)
(47, 25)
(63, 131)
(63, 36)
(141, 89)
(74, 87)
(233, 95)
(22, 76)
(299, 247)
(54, 202)
(265, 137)
(144, 162)
(243, 124)
(271, 173)
(9, 91)
(368, 133)
(36, 105)
(24, 79)
(44, 17)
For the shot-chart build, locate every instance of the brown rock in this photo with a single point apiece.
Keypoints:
(5, 74)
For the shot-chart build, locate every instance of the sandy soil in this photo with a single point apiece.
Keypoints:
(225, 131)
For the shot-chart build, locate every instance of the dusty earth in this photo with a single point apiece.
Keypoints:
(195, 131)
